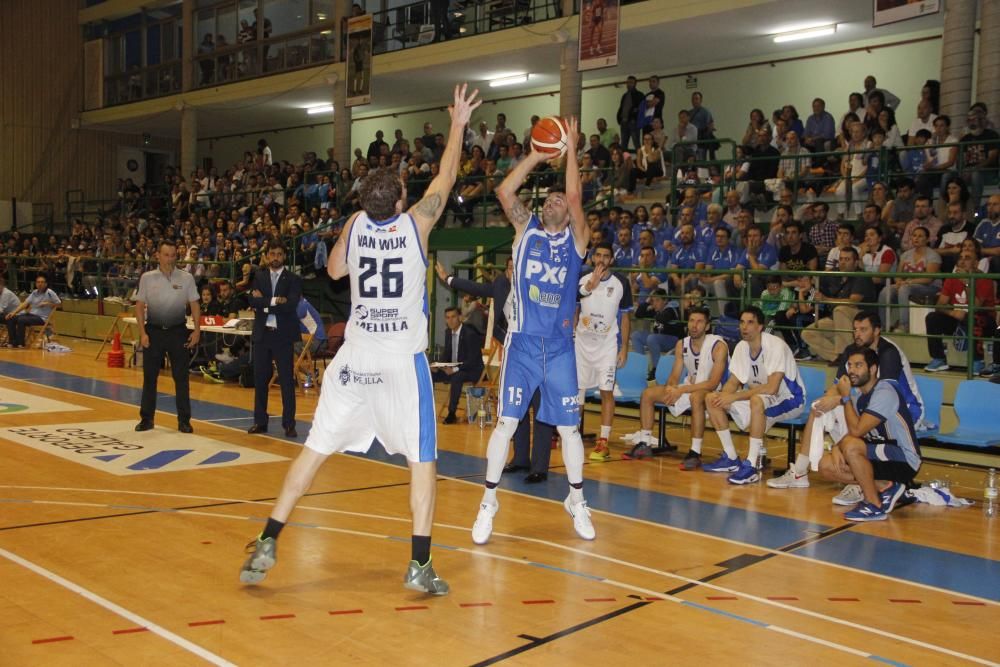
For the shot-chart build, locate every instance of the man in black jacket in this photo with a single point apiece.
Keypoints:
(536, 460)
(462, 346)
(628, 114)
(274, 299)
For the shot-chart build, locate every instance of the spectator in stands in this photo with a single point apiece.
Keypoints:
(651, 106)
(626, 249)
(664, 332)
(988, 233)
(844, 239)
(643, 283)
(923, 216)
(871, 88)
(957, 229)
(649, 163)
(955, 191)
(687, 254)
(827, 337)
(756, 255)
(820, 128)
(600, 155)
(763, 165)
(887, 123)
(608, 137)
(758, 121)
(923, 121)
(797, 254)
(953, 313)
(375, 147)
(940, 159)
(980, 148)
(823, 233)
(621, 173)
(774, 299)
(722, 256)
(628, 114)
(918, 260)
(800, 313)
(853, 168)
(34, 311)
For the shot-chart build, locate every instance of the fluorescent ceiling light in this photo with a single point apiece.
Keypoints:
(319, 108)
(508, 80)
(821, 31)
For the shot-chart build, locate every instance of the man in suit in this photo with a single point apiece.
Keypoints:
(462, 345)
(274, 299)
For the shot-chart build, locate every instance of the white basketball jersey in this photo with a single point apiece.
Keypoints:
(388, 271)
(692, 359)
(774, 356)
(599, 310)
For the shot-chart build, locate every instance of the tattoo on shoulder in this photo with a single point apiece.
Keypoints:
(429, 206)
(518, 213)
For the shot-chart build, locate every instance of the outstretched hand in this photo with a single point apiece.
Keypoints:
(461, 110)
(572, 129)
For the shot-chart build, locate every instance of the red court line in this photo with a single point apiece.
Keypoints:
(416, 607)
(51, 639)
(599, 600)
(538, 601)
(654, 599)
(128, 631)
(206, 542)
(475, 604)
(274, 617)
(844, 599)
(346, 611)
(781, 597)
(195, 624)
(969, 603)
(721, 597)
(905, 601)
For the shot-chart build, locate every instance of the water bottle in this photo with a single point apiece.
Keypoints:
(761, 458)
(990, 494)
(481, 416)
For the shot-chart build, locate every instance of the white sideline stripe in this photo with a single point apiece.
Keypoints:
(202, 653)
(669, 575)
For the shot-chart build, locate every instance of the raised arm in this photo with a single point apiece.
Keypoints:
(574, 192)
(517, 213)
(426, 211)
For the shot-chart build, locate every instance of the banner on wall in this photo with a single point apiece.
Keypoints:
(599, 34)
(891, 11)
(359, 60)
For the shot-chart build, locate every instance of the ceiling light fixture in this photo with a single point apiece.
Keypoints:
(821, 31)
(319, 108)
(508, 80)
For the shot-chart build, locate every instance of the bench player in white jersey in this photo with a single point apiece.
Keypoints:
(380, 381)
(763, 388)
(705, 357)
(604, 298)
(548, 254)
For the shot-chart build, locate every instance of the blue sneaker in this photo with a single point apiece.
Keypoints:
(936, 365)
(891, 496)
(866, 512)
(978, 367)
(722, 464)
(746, 474)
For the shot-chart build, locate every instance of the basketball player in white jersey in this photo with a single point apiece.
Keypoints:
(380, 381)
(763, 388)
(604, 299)
(705, 357)
(548, 254)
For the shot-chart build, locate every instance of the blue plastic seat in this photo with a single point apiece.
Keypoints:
(932, 394)
(631, 378)
(975, 402)
(663, 368)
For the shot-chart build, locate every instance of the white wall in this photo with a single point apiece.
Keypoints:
(730, 94)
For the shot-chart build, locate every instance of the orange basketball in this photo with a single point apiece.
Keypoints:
(549, 135)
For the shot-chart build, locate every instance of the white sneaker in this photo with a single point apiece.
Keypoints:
(225, 357)
(581, 518)
(790, 480)
(631, 437)
(849, 496)
(483, 527)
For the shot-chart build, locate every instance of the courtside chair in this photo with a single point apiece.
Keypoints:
(975, 401)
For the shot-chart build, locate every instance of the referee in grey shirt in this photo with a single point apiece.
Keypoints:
(161, 310)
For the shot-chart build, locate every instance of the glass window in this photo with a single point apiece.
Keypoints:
(246, 14)
(171, 41)
(205, 32)
(226, 26)
(153, 45)
(133, 49)
(284, 16)
(322, 11)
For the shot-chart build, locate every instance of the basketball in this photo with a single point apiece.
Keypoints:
(549, 136)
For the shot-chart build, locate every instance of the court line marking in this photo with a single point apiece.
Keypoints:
(175, 639)
(649, 592)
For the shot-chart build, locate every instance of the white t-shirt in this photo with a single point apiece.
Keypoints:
(774, 357)
(599, 310)
(918, 125)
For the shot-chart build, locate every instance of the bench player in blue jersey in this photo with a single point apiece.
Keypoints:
(378, 387)
(548, 254)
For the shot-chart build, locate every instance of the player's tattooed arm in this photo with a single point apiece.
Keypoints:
(518, 213)
(429, 207)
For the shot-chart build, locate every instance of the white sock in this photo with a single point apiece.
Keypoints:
(575, 495)
(645, 436)
(605, 431)
(490, 496)
(572, 451)
(696, 445)
(801, 465)
(727, 443)
(755, 445)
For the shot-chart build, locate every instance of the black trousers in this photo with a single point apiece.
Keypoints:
(456, 380)
(170, 343)
(536, 457)
(281, 354)
(939, 324)
(17, 325)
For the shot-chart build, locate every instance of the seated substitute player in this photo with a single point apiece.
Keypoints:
(548, 254)
(380, 381)
(705, 357)
(880, 452)
(763, 388)
(827, 412)
(604, 298)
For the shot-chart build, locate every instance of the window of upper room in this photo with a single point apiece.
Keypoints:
(322, 11)
(282, 17)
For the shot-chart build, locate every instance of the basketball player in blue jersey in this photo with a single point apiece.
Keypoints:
(548, 254)
(380, 383)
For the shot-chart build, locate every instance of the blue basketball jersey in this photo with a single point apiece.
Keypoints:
(544, 286)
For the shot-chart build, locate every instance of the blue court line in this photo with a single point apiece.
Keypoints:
(944, 569)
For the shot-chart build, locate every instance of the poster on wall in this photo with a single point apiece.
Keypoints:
(891, 11)
(599, 35)
(359, 60)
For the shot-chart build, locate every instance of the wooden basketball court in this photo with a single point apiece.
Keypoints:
(125, 548)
